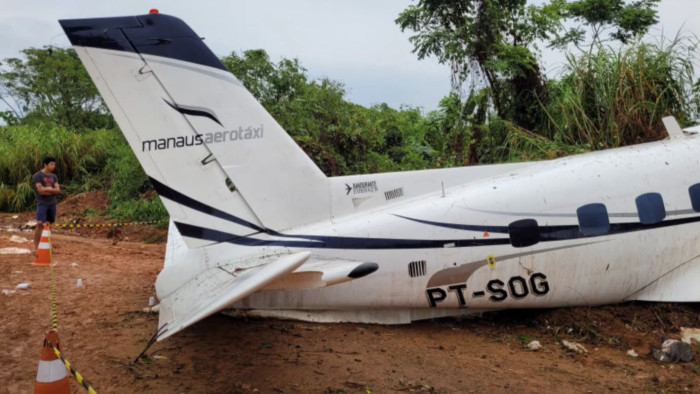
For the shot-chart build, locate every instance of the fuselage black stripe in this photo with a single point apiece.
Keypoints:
(564, 232)
(546, 233)
(332, 242)
(175, 196)
(328, 242)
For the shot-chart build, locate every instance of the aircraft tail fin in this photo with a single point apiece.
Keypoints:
(214, 154)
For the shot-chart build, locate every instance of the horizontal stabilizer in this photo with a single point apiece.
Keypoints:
(320, 272)
(216, 288)
(672, 127)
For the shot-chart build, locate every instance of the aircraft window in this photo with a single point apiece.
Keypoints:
(593, 219)
(524, 233)
(695, 196)
(650, 208)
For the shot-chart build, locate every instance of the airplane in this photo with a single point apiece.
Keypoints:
(257, 228)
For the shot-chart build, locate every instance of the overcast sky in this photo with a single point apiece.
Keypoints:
(355, 42)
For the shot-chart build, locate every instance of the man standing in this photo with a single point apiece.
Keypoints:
(46, 188)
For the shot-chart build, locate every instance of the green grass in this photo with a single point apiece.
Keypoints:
(93, 160)
(617, 97)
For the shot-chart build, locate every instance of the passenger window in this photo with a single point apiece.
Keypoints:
(695, 196)
(593, 219)
(650, 208)
(524, 233)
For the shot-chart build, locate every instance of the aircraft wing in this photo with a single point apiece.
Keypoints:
(215, 288)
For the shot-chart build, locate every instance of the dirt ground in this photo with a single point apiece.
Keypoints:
(103, 327)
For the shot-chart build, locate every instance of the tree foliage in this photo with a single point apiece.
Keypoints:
(51, 85)
(495, 41)
(621, 20)
(341, 137)
(487, 41)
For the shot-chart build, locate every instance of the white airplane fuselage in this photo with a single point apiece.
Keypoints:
(611, 267)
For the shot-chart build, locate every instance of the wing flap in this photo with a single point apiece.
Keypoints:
(216, 288)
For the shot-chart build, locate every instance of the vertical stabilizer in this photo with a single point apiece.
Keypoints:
(214, 154)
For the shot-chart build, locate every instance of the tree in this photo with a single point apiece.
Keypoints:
(623, 21)
(487, 40)
(495, 41)
(51, 85)
(270, 83)
(341, 137)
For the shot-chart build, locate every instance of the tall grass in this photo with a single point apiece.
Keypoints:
(98, 159)
(21, 151)
(617, 97)
(509, 143)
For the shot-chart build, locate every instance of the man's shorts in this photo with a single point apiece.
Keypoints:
(46, 213)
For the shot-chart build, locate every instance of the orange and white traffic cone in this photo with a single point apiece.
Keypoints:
(51, 376)
(43, 251)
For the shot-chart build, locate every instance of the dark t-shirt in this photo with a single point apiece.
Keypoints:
(46, 181)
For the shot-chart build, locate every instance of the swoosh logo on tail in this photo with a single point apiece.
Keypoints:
(194, 111)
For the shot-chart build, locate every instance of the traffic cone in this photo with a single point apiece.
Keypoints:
(43, 251)
(51, 376)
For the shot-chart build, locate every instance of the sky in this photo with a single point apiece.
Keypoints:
(355, 42)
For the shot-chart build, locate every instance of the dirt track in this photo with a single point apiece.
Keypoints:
(102, 329)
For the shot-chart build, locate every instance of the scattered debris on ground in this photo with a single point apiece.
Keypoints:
(673, 351)
(691, 336)
(575, 347)
(534, 345)
(13, 250)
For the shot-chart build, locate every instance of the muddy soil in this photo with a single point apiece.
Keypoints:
(103, 327)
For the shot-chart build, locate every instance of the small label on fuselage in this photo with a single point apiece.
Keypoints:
(364, 187)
